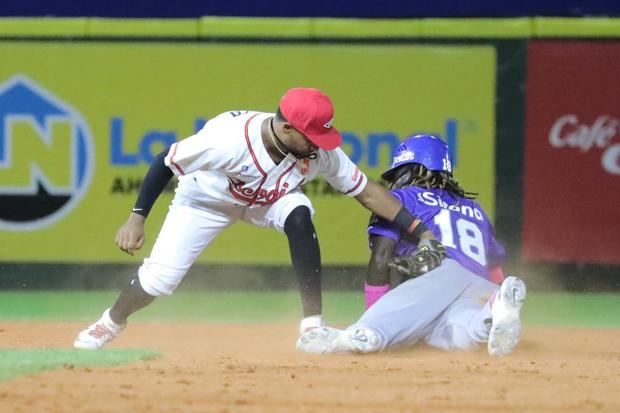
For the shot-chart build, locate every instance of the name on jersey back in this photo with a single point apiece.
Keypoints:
(432, 199)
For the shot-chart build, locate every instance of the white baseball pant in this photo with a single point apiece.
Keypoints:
(190, 226)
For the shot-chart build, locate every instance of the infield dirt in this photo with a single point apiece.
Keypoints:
(251, 368)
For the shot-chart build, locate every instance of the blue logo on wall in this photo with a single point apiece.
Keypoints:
(46, 156)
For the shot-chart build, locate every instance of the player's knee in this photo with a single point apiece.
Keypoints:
(299, 221)
(158, 282)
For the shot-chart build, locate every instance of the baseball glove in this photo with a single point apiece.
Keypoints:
(429, 255)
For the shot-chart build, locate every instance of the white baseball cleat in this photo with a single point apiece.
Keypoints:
(505, 311)
(331, 340)
(99, 333)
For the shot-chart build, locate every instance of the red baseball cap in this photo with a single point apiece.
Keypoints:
(311, 112)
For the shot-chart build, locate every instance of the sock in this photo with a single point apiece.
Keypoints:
(306, 258)
(310, 323)
(110, 324)
(374, 292)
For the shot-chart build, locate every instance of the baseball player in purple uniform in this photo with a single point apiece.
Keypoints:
(457, 305)
(244, 166)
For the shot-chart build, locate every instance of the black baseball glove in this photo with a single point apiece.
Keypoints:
(429, 255)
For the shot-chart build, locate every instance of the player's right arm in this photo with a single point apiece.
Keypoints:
(381, 251)
(130, 236)
(201, 151)
(377, 273)
(383, 237)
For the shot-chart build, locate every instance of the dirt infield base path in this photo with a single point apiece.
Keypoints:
(255, 368)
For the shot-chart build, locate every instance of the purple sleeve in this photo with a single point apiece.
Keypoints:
(384, 228)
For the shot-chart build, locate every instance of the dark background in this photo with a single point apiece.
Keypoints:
(310, 8)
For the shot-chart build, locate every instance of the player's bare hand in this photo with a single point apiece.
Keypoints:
(130, 236)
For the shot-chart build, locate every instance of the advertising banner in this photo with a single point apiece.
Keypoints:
(81, 122)
(572, 156)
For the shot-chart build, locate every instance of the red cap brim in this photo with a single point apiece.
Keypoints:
(328, 141)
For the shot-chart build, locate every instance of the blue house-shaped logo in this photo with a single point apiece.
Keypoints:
(46, 156)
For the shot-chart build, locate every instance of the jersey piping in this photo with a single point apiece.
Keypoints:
(172, 162)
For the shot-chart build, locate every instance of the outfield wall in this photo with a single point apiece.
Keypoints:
(87, 102)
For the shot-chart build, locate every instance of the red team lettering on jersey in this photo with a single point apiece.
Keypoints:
(258, 197)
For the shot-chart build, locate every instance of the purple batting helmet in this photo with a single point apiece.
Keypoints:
(427, 150)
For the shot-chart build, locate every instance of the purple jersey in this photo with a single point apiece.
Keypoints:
(460, 223)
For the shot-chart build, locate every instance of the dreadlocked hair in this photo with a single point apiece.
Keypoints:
(415, 174)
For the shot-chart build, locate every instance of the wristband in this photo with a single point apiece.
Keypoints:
(374, 292)
(410, 224)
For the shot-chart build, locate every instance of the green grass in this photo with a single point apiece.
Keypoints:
(542, 309)
(17, 362)
(572, 310)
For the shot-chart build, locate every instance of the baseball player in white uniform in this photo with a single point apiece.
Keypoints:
(244, 166)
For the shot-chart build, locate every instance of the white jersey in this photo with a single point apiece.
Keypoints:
(229, 162)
